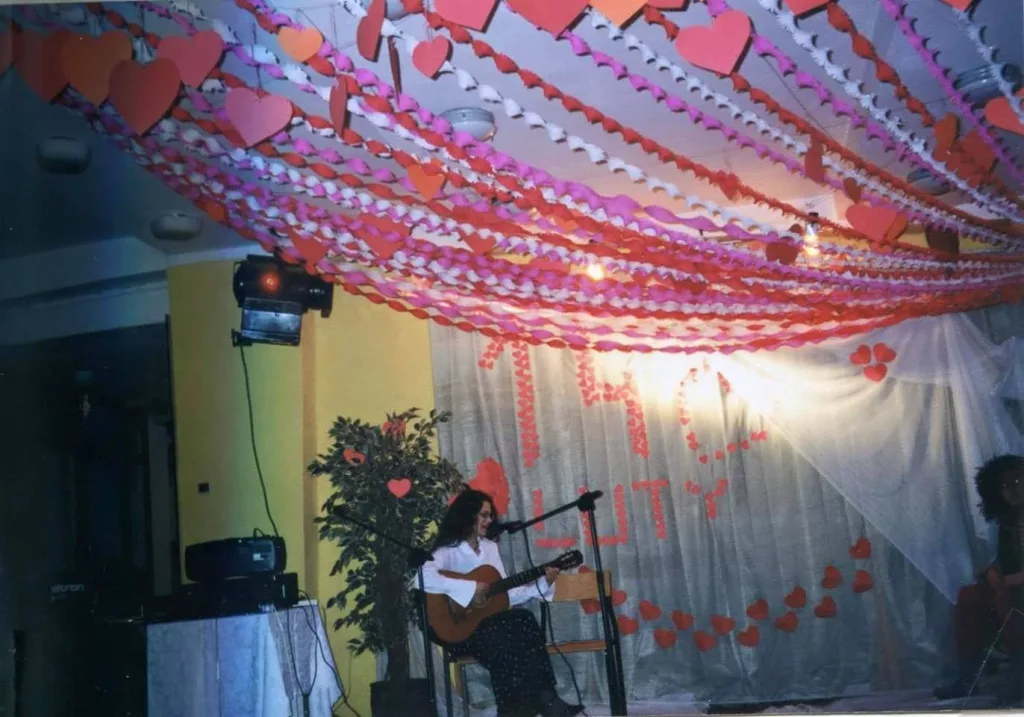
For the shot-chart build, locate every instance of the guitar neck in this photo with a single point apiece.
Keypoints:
(518, 580)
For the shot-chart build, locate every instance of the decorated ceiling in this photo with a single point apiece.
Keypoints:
(322, 140)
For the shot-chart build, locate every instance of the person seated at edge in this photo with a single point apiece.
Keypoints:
(993, 603)
(509, 644)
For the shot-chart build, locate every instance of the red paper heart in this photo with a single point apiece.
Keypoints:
(478, 245)
(256, 118)
(788, 622)
(195, 56)
(618, 11)
(468, 13)
(796, 599)
(997, 111)
(300, 44)
(946, 131)
(399, 487)
(861, 550)
(758, 610)
(37, 58)
(627, 625)
(876, 372)
(682, 620)
(980, 154)
(960, 4)
(618, 597)
(832, 579)
(380, 246)
(703, 459)
(664, 637)
(142, 94)
(339, 106)
(551, 16)
(353, 457)
(853, 190)
(801, 7)
(722, 625)
(590, 606)
(812, 162)
(879, 224)
(704, 641)
(649, 611)
(428, 185)
(428, 57)
(718, 48)
(862, 581)
(6, 50)
(781, 252)
(310, 249)
(826, 608)
(883, 354)
(749, 637)
(87, 62)
(368, 31)
(669, 4)
(862, 356)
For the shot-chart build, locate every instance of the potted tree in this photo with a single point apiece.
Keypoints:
(387, 476)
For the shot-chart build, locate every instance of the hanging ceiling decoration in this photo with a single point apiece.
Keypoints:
(310, 153)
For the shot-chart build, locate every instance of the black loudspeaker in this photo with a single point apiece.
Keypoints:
(400, 699)
(219, 560)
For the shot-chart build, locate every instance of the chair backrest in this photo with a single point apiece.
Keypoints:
(580, 586)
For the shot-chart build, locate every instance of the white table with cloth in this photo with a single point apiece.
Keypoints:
(256, 665)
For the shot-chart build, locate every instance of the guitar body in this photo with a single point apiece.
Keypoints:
(453, 623)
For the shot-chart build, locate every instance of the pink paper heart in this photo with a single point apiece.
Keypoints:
(142, 94)
(880, 224)
(338, 105)
(548, 14)
(255, 118)
(429, 56)
(399, 487)
(194, 56)
(368, 30)
(468, 13)
(718, 48)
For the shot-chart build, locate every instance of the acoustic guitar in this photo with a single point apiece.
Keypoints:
(451, 623)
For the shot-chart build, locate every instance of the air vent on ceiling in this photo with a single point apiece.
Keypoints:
(982, 83)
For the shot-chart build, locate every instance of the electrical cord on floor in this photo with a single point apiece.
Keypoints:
(551, 627)
(320, 647)
(252, 437)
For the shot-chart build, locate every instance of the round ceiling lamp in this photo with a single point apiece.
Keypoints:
(478, 123)
(60, 154)
(982, 83)
(176, 226)
(928, 183)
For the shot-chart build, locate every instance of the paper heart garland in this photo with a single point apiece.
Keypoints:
(879, 224)
(876, 372)
(618, 597)
(300, 44)
(399, 487)
(802, 7)
(547, 15)
(37, 58)
(998, 112)
(430, 55)
(194, 56)
(87, 62)
(338, 106)
(862, 581)
(143, 94)
(368, 30)
(861, 550)
(682, 620)
(788, 622)
(665, 638)
(718, 48)
(256, 118)
(758, 610)
(826, 608)
(797, 598)
(704, 640)
(749, 637)
(474, 14)
(618, 11)
(649, 611)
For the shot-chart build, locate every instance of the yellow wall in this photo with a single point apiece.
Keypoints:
(364, 361)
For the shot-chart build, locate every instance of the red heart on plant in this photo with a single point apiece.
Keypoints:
(749, 637)
(627, 625)
(880, 224)
(722, 625)
(998, 112)
(861, 550)
(368, 31)
(801, 7)
(37, 58)
(883, 354)
(876, 373)
(862, 581)
(682, 620)
(142, 94)
(194, 56)
(758, 610)
(704, 641)
(551, 16)
(300, 44)
(87, 62)
(796, 599)
(399, 487)
(429, 56)
(718, 48)
(862, 356)
(832, 579)
(468, 13)
(649, 611)
(788, 622)
(256, 118)
(826, 608)
(665, 638)
(352, 456)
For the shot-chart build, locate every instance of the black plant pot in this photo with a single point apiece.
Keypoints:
(400, 699)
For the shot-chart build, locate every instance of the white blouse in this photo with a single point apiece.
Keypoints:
(462, 558)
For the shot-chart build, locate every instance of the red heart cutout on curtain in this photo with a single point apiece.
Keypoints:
(862, 581)
(665, 638)
(862, 356)
(195, 56)
(618, 11)
(142, 94)
(788, 622)
(703, 459)
(876, 372)
(852, 189)
(722, 625)
(883, 354)
(551, 16)
(704, 641)
(429, 56)
(300, 44)
(861, 550)
(832, 579)
(590, 606)
(428, 185)
(618, 597)
(718, 48)
(880, 224)
(682, 620)
(256, 118)
(796, 599)
(368, 30)
(399, 487)
(749, 637)
(801, 7)
(758, 610)
(468, 13)
(649, 611)
(490, 478)
(627, 625)
(339, 106)
(87, 62)
(826, 608)
(999, 113)
(37, 59)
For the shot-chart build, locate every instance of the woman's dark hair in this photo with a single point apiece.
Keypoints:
(989, 482)
(458, 523)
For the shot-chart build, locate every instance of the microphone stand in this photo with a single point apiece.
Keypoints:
(418, 557)
(587, 503)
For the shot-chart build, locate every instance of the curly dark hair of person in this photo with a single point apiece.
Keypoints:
(989, 482)
(460, 520)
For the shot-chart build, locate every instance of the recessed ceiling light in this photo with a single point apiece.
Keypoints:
(176, 226)
(982, 83)
(474, 121)
(60, 154)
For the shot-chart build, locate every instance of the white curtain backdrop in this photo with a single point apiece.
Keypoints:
(731, 480)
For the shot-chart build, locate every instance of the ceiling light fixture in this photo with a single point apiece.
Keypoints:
(176, 226)
(474, 121)
(60, 154)
(982, 83)
(927, 182)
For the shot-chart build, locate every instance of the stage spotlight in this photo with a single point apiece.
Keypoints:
(273, 297)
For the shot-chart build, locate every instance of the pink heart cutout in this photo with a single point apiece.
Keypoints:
(718, 48)
(548, 14)
(368, 31)
(399, 487)
(468, 13)
(338, 105)
(195, 56)
(255, 118)
(428, 57)
(879, 224)
(142, 94)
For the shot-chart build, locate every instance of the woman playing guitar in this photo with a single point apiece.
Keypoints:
(509, 644)
(996, 601)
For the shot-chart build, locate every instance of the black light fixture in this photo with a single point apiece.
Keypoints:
(273, 297)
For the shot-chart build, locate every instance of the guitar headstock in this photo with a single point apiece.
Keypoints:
(569, 560)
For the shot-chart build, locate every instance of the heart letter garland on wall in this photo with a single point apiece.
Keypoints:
(142, 94)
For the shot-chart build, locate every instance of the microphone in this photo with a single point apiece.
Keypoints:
(587, 500)
(496, 529)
